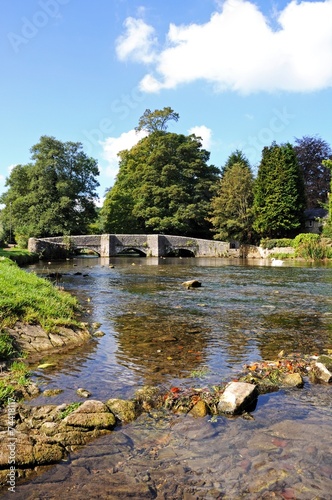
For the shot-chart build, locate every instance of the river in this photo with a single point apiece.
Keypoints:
(159, 333)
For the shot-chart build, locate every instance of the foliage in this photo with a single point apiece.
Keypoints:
(28, 298)
(311, 246)
(54, 194)
(231, 207)
(7, 390)
(236, 157)
(164, 185)
(311, 153)
(69, 409)
(327, 228)
(6, 346)
(276, 243)
(156, 121)
(279, 193)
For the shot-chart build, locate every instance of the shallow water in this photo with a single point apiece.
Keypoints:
(158, 332)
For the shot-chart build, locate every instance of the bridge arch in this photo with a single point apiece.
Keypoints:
(127, 251)
(180, 252)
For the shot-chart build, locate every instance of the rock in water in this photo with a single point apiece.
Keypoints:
(192, 284)
(237, 397)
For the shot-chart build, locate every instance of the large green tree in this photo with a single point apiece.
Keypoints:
(311, 153)
(279, 193)
(164, 185)
(231, 207)
(54, 194)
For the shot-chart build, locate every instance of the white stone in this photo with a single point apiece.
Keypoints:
(237, 397)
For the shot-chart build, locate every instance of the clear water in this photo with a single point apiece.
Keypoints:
(158, 332)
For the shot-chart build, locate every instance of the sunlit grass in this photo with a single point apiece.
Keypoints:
(26, 297)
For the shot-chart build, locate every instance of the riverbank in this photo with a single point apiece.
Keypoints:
(35, 317)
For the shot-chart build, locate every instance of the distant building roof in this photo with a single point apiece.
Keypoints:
(315, 213)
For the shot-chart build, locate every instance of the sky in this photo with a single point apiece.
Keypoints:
(240, 74)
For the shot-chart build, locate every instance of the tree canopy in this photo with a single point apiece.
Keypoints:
(279, 193)
(164, 185)
(311, 153)
(156, 121)
(53, 195)
(231, 207)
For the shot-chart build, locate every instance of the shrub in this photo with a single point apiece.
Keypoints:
(305, 238)
(311, 246)
(276, 243)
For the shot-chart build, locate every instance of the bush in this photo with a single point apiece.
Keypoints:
(305, 239)
(311, 246)
(276, 243)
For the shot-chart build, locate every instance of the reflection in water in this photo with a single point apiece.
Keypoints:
(158, 332)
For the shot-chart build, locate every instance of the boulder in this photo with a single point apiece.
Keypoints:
(237, 397)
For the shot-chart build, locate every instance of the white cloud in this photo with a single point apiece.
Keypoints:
(205, 133)
(138, 41)
(239, 49)
(113, 145)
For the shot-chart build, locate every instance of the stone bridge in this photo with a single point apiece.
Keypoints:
(111, 245)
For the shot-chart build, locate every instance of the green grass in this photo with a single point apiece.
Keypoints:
(12, 381)
(26, 297)
(69, 409)
(19, 255)
(6, 346)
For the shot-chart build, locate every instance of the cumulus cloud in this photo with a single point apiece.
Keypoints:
(113, 145)
(205, 133)
(138, 41)
(239, 49)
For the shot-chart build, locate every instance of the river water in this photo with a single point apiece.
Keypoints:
(159, 333)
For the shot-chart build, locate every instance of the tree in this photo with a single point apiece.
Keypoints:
(279, 193)
(164, 185)
(327, 229)
(311, 153)
(156, 121)
(54, 194)
(236, 157)
(232, 216)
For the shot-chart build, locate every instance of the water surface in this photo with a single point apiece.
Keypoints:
(158, 332)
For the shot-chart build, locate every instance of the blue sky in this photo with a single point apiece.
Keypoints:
(240, 74)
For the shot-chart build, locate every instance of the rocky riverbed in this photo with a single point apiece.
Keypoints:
(33, 437)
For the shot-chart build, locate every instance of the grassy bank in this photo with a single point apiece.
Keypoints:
(26, 297)
(29, 299)
(19, 255)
